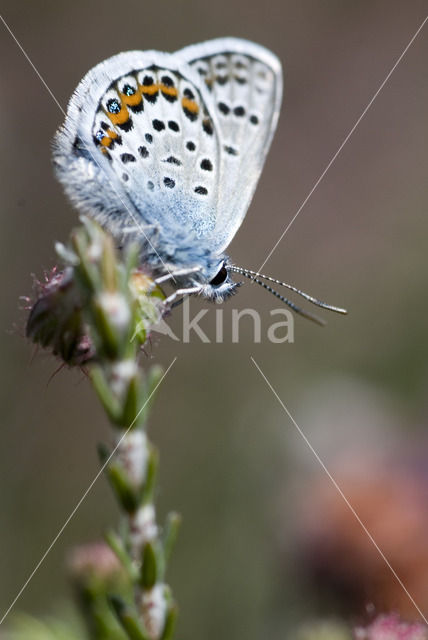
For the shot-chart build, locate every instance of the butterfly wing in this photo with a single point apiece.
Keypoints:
(244, 82)
(138, 147)
(171, 143)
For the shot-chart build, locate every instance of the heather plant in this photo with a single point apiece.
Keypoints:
(97, 313)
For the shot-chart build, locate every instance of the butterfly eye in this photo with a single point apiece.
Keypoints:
(220, 277)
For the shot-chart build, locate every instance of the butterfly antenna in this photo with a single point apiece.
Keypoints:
(254, 275)
(289, 303)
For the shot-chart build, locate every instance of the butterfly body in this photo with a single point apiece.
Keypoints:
(167, 149)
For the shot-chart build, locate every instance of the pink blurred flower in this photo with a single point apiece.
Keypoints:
(391, 627)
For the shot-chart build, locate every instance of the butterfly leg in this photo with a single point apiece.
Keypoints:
(181, 292)
(174, 274)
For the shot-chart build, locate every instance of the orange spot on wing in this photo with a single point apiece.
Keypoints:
(106, 141)
(190, 105)
(119, 118)
(149, 89)
(169, 91)
(131, 101)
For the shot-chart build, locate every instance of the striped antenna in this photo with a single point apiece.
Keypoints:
(255, 277)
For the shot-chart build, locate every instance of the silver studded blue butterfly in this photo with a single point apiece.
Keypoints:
(168, 149)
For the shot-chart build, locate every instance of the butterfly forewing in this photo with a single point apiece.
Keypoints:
(154, 129)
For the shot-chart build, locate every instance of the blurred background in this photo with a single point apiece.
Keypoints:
(267, 542)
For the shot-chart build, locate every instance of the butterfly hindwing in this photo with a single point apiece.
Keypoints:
(244, 81)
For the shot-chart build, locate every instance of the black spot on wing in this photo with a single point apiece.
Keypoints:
(149, 95)
(167, 85)
(126, 126)
(206, 165)
(207, 126)
(173, 160)
(158, 125)
(192, 115)
(239, 111)
(127, 157)
(136, 108)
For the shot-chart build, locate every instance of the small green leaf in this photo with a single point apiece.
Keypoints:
(109, 267)
(149, 485)
(127, 619)
(132, 403)
(139, 333)
(110, 340)
(116, 544)
(122, 487)
(149, 568)
(102, 387)
(170, 622)
(86, 270)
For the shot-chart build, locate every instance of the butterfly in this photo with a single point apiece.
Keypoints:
(167, 149)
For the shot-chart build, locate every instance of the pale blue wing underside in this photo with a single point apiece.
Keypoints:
(244, 81)
(171, 142)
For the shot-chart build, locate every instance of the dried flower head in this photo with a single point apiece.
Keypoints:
(96, 302)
